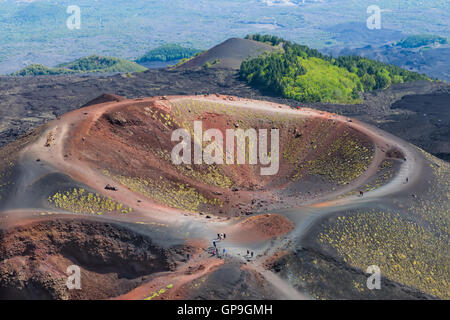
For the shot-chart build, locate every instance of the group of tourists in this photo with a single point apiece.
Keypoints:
(216, 251)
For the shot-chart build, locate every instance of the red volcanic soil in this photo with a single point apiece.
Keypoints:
(112, 259)
(268, 263)
(259, 228)
(171, 286)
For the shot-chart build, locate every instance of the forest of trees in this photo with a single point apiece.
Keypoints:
(168, 52)
(273, 40)
(376, 75)
(307, 75)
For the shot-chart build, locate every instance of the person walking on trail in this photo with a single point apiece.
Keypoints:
(218, 236)
(214, 243)
(361, 193)
(248, 252)
(214, 252)
(407, 179)
(252, 254)
(223, 252)
(188, 257)
(224, 236)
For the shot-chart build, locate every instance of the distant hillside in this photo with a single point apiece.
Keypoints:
(91, 64)
(168, 52)
(228, 54)
(305, 74)
(426, 54)
(417, 41)
(354, 34)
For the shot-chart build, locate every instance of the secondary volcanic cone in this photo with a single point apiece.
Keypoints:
(111, 163)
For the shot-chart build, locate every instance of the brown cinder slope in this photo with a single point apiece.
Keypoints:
(228, 54)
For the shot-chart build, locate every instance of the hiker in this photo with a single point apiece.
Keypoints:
(361, 193)
(252, 254)
(214, 243)
(218, 236)
(188, 257)
(248, 252)
(214, 252)
(224, 236)
(407, 179)
(223, 252)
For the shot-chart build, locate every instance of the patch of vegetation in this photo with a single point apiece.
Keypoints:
(305, 74)
(168, 52)
(308, 141)
(96, 63)
(405, 252)
(265, 38)
(433, 207)
(209, 64)
(41, 70)
(209, 174)
(81, 201)
(83, 65)
(385, 173)
(414, 251)
(159, 292)
(173, 194)
(327, 278)
(323, 82)
(421, 40)
(376, 75)
(344, 160)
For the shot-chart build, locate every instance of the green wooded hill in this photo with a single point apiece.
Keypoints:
(306, 75)
(89, 64)
(168, 52)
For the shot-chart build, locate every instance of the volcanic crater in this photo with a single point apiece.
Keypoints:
(119, 207)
